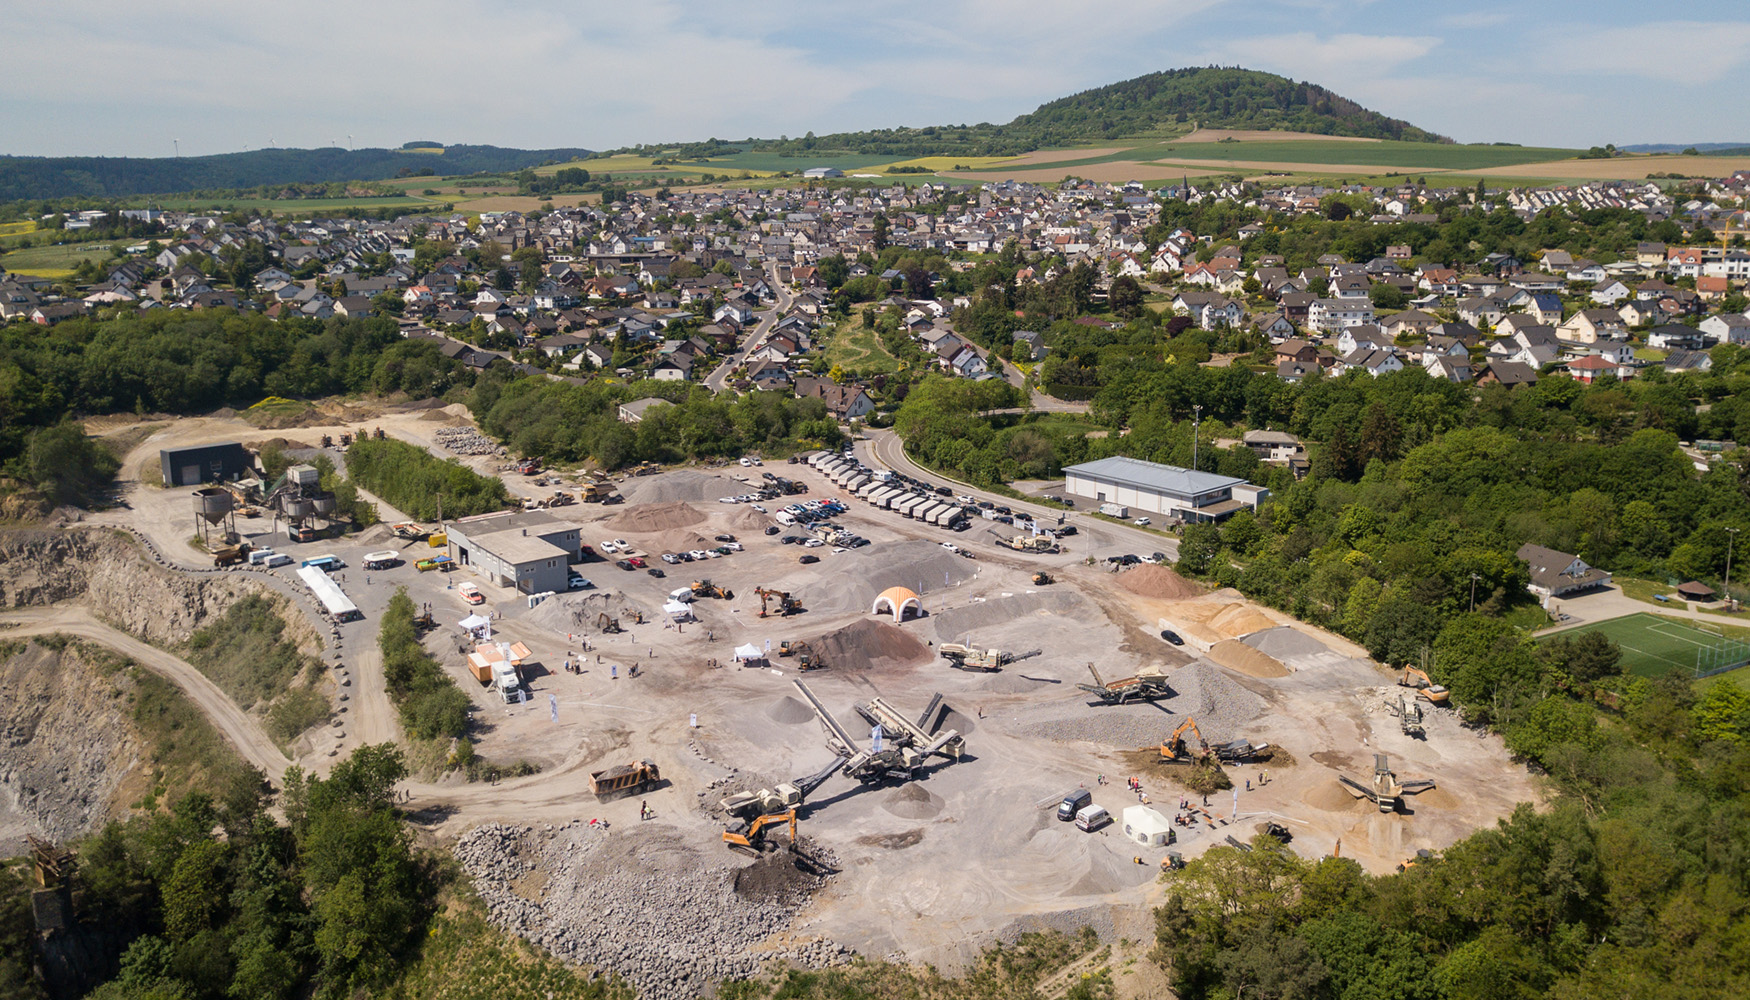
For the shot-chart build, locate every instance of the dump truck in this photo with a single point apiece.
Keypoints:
(1149, 683)
(622, 780)
(435, 562)
(594, 492)
(230, 555)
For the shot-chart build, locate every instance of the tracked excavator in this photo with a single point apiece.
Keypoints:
(1176, 751)
(786, 605)
(750, 835)
(607, 625)
(1424, 685)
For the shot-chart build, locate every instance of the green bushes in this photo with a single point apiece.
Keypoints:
(431, 704)
(412, 479)
(246, 653)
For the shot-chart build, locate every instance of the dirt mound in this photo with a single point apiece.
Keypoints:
(953, 624)
(1150, 580)
(961, 724)
(1221, 705)
(913, 801)
(789, 711)
(774, 878)
(680, 486)
(870, 644)
(437, 415)
(1331, 797)
(747, 519)
(1238, 619)
(374, 534)
(1433, 798)
(858, 575)
(1236, 655)
(649, 517)
(576, 613)
(682, 540)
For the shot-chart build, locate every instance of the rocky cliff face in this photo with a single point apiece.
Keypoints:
(67, 744)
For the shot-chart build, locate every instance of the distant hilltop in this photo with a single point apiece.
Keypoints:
(125, 176)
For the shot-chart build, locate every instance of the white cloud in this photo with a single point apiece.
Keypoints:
(1688, 52)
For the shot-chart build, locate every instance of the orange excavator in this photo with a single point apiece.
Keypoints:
(1424, 685)
(787, 605)
(751, 834)
(1173, 750)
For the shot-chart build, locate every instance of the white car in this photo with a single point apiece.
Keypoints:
(1141, 522)
(623, 545)
(965, 500)
(757, 507)
(732, 546)
(951, 547)
(813, 543)
(728, 499)
(610, 548)
(840, 549)
(699, 554)
(670, 558)
(746, 464)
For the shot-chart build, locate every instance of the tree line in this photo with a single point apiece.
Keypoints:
(416, 482)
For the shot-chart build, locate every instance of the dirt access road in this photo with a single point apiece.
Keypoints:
(232, 722)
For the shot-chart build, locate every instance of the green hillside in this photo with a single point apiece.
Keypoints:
(1159, 104)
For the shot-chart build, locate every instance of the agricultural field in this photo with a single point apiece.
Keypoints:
(300, 206)
(1396, 155)
(54, 261)
(1654, 645)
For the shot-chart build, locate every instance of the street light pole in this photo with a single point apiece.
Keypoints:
(1731, 536)
(1196, 413)
(1473, 590)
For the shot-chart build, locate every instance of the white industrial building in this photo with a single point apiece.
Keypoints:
(1152, 488)
(529, 552)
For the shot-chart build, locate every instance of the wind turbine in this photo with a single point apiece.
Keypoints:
(177, 145)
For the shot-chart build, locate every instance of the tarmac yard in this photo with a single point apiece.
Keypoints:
(934, 869)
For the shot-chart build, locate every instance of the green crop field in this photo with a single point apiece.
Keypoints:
(1654, 645)
(1412, 155)
(53, 261)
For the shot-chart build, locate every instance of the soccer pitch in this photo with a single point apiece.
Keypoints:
(1653, 645)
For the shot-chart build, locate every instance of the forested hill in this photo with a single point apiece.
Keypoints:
(122, 176)
(1168, 103)
(1212, 97)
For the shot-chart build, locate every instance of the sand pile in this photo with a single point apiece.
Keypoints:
(680, 486)
(1333, 797)
(747, 519)
(1150, 580)
(374, 534)
(1295, 648)
(913, 801)
(576, 613)
(962, 724)
(1236, 655)
(870, 644)
(858, 575)
(954, 623)
(654, 517)
(789, 711)
(1237, 619)
(683, 540)
(1222, 707)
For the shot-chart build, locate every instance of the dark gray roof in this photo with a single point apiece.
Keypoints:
(1135, 472)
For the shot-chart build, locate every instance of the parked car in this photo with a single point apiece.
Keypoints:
(725, 538)
(1172, 637)
(805, 560)
(610, 548)
(623, 564)
(813, 543)
(575, 582)
(624, 545)
(757, 507)
(772, 529)
(670, 558)
(1141, 522)
(653, 571)
(636, 562)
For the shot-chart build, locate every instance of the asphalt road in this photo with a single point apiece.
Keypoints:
(718, 376)
(883, 449)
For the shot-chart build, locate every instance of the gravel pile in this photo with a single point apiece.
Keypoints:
(681, 486)
(1294, 647)
(1222, 707)
(643, 906)
(651, 517)
(1201, 689)
(468, 441)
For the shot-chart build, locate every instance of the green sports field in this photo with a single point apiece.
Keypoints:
(1653, 645)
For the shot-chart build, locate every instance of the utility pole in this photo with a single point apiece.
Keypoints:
(1731, 536)
(1473, 590)
(1196, 413)
(176, 144)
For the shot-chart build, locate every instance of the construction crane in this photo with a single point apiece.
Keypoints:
(1148, 684)
(880, 762)
(788, 795)
(1387, 791)
(787, 605)
(1424, 685)
(751, 835)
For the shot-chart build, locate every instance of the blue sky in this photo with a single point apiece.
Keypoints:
(108, 77)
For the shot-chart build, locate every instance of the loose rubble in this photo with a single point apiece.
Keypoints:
(643, 906)
(468, 441)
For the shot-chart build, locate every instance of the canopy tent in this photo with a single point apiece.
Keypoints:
(897, 601)
(678, 609)
(473, 622)
(749, 652)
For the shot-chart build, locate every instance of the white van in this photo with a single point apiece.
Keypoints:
(277, 559)
(784, 518)
(1091, 818)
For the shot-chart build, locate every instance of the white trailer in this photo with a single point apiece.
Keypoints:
(908, 506)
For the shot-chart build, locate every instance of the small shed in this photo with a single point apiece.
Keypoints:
(1695, 590)
(1147, 827)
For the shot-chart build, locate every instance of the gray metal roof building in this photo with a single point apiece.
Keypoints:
(1161, 489)
(530, 552)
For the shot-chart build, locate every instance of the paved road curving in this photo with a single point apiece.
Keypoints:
(720, 374)
(233, 723)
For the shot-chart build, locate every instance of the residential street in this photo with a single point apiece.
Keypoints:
(770, 317)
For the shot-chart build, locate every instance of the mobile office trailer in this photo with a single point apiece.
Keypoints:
(327, 564)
